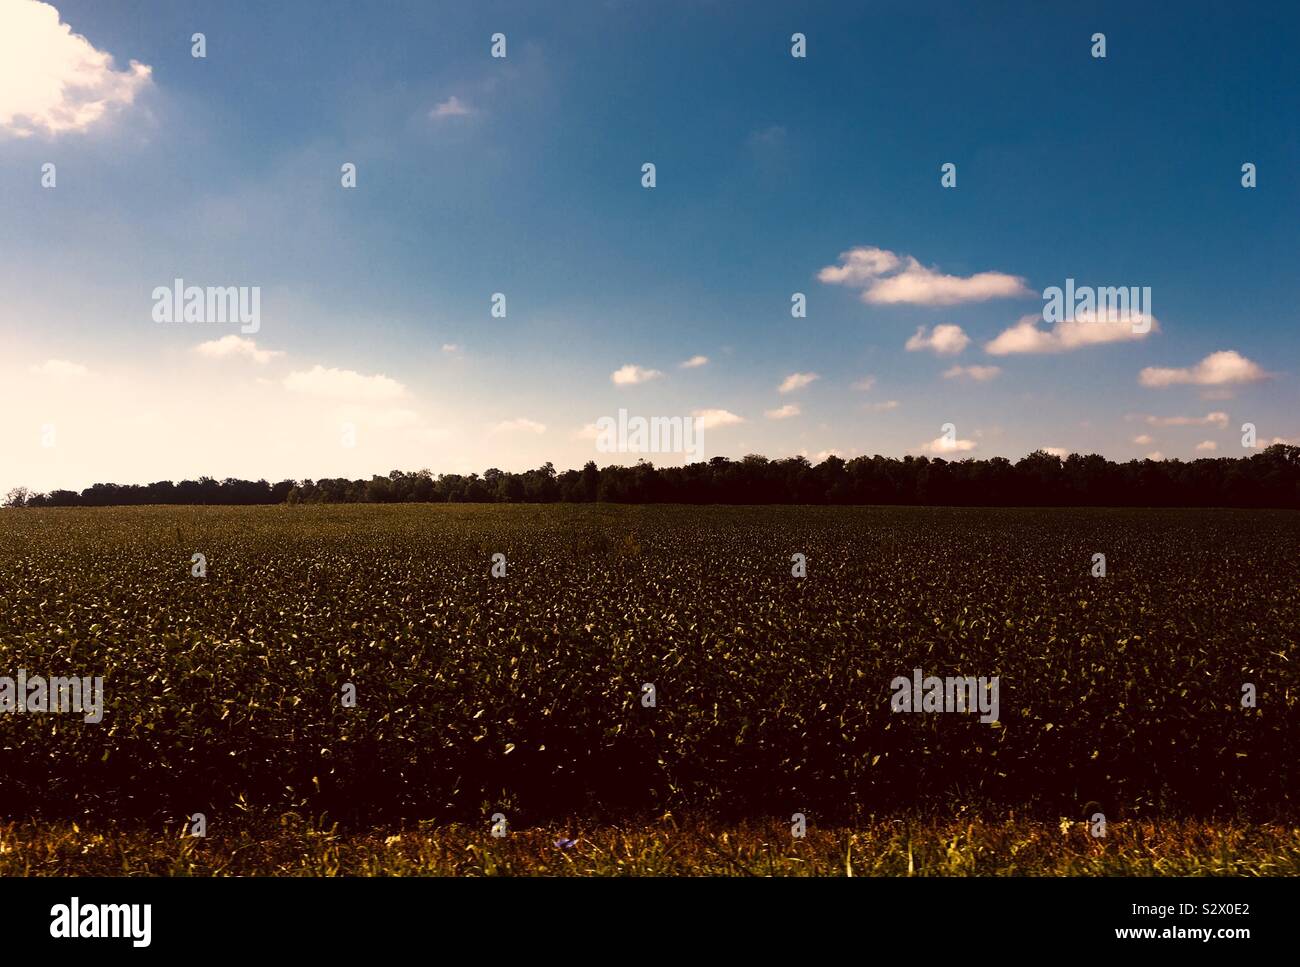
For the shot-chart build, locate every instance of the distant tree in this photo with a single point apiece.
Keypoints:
(1267, 478)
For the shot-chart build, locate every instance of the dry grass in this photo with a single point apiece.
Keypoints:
(292, 846)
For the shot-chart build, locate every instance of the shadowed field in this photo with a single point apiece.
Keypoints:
(522, 695)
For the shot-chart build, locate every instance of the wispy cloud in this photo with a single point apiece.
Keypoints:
(796, 381)
(518, 425)
(767, 137)
(883, 406)
(1085, 330)
(865, 383)
(886, 278)
(58, 369)
(783, 412)
(980, 374)
(453, 107)
(343, 384)
(695, 362)
(1209, 419)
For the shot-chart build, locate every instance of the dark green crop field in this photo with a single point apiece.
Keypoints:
(363, 667)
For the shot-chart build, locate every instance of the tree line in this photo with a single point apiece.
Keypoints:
(1269, 478)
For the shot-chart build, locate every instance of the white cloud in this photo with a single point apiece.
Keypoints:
(1086, 329)
(783, 412)
(942, 445)
(453, 107)
(630, 375)
(865, 383)
(1155, 455)
(1056, 451)
(1207, 446)
(796, 381)
(1142, 439)
(519, 425)
(53, 81)
(887, 278)
(233, 345)
(1226, 367)
(821, 456)
(1262, 444)
(981, 374)
(1209, 419)
(695, 362)
(450, 347)
(343, 384)
(59, 369)
(711, 419)
(882, 407)
(945, 340)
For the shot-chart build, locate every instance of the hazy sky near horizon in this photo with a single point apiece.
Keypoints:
(376, 347)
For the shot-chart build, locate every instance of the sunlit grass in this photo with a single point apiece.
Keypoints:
(668, 847)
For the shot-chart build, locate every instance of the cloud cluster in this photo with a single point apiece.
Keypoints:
(1224, 368)
(630, 375)
(53, 81)
(886, 278)
(1086, 329)
(712, 419)
(233, 345)
(980, 374)
(345, 384)
(945, 340)
(783, 412)
(942, 445)
(1209, 419)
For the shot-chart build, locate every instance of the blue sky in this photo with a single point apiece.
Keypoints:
(225, 170)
